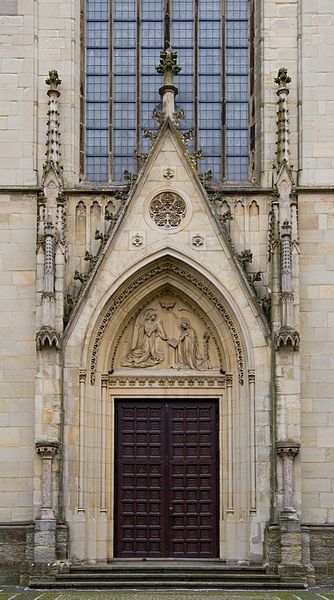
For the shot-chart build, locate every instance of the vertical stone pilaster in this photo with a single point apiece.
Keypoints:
(45, 526)
(104, 425)
(229, 381)
(81, 490)
(252, 445)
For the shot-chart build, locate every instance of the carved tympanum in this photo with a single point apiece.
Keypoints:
(162, 336)
(167, 210)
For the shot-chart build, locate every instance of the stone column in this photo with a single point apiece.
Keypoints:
(45, 528)
(288, 451)
(291, 559)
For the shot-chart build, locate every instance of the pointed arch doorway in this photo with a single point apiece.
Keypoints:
(166, 475)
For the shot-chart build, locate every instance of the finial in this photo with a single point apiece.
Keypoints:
(282, 78)
(53, 81)
(168, 67)
(53, 143)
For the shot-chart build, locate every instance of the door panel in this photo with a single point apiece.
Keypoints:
(166, 498)
(192, 480)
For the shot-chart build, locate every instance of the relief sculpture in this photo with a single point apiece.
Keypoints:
(187, 349)
(143, 351)
(180, 339)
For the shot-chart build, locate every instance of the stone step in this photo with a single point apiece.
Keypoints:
(211, 576)
(79, 584)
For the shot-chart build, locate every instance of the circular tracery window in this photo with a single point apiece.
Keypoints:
(168, 210)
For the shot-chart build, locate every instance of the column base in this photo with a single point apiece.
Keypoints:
(45, 541)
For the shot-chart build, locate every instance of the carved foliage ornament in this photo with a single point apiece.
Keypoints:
(167, 210)
(144, 278)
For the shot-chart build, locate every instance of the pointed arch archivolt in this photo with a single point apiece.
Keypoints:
(169, 274)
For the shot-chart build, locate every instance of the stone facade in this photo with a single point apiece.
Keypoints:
(83, 265)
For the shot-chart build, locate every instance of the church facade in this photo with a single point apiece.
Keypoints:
(167, 338)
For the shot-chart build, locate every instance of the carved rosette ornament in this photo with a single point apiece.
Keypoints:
(167, 210)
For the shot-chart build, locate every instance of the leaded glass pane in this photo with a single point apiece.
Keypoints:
(210, 60)
(124, 142)
(209, 115)
(97, 61)
(237, 61)
(183, 34)
(124, 10)
(236, 115)
(209, 9)
(120, 163)
(186, 87)
(237, 34)
(97, 10)
(237, 142)
(152, 35)
(151, 10)
(97, 115)
(210, 34)
(125, 61)
(182, 9)
(97, 34)
(97, 141)
(237, 88)
(237, 9)
(125, 34)
(237, 168)
(97, 89)
(97, 168)
(124, 88)
(213, 163)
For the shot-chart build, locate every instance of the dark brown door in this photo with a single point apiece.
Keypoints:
(166, 479)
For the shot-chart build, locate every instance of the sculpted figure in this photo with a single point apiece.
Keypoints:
(143, 351)
(187, 348)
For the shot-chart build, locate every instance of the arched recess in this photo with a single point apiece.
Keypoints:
(90, 419)
(171, 276)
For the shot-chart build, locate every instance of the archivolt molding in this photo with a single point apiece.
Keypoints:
(183, 274)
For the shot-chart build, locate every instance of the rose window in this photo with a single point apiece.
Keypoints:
(168, 210)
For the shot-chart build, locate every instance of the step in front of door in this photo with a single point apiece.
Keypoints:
(175, 578)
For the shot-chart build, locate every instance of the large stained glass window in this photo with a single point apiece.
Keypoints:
(123, 43)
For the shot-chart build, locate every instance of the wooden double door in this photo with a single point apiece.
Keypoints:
(166, 502)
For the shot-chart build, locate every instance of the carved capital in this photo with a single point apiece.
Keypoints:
(287, 296)
(47, 448)
(104, 380)
(288, 449)
(229, 379)
(251, 375)
(82, 375)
